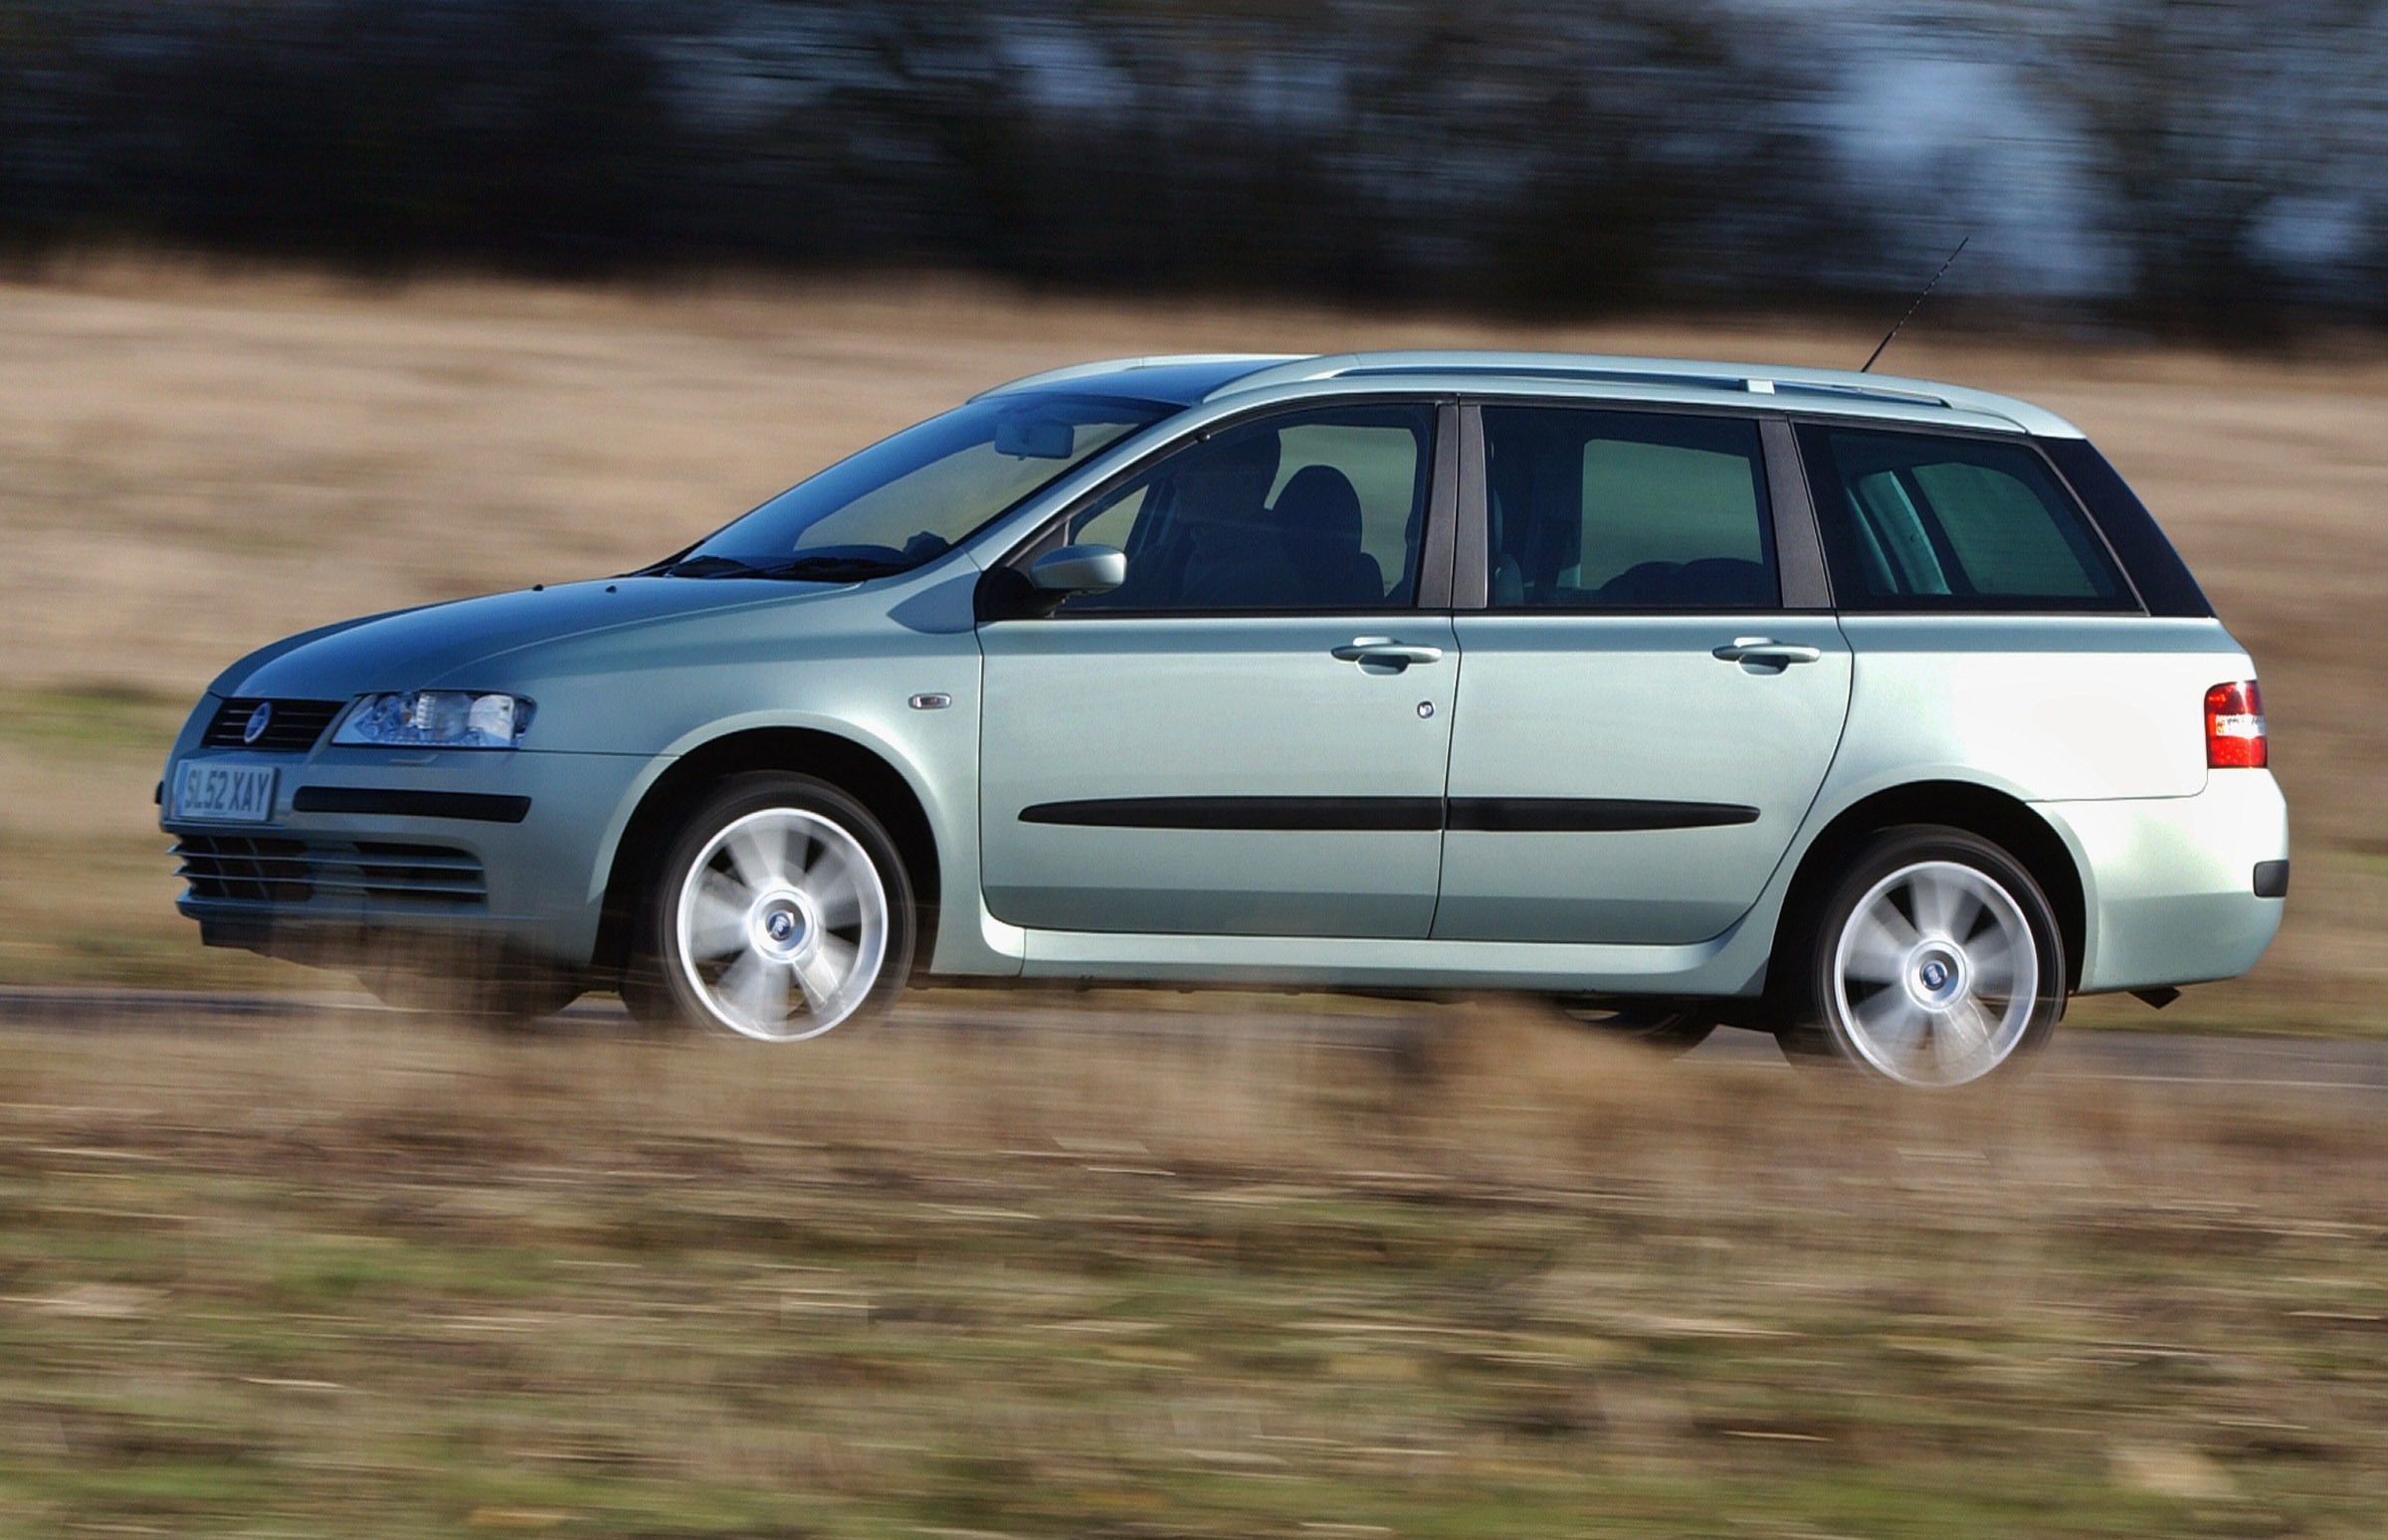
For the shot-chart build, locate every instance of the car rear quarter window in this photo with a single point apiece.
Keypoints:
(2165, 581)
(1623, 511)
(1918, 521)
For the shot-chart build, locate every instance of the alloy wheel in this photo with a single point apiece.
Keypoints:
(782, 926)
(1934, 976)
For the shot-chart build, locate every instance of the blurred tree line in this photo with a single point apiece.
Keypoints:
(2223, 163)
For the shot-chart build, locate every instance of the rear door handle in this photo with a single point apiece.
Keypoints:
(1387, 652)
(1765, 649)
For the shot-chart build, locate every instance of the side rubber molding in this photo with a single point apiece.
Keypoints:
(1491, 814)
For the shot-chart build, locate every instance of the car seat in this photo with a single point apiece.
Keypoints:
(1319, 521)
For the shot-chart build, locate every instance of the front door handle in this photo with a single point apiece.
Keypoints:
(1765, 649)
(1387, 653)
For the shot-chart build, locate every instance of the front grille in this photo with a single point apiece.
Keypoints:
(255, 870)
(291, 728)
(295, 871)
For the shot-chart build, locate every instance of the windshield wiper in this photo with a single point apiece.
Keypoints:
(710, 566)
(836, 570)
(826, 564)
(816, 569)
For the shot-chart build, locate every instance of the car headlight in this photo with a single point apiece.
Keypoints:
(437, 718)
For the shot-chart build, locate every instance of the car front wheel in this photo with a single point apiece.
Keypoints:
(779, 912)
(1936, 961)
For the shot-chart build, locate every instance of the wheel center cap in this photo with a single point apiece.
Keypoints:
(781, 924)
(1937, 976)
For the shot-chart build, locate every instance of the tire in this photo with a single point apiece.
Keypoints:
(779, 910)
(1934, 961)
(1671, 1031)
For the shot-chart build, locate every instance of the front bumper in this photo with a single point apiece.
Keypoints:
(509, 849)
(2171, 884)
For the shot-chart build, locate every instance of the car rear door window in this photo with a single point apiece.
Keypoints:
(1927, 522)
(1623, 510)
(1313, 510)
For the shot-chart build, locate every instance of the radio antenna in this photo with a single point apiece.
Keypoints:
(1912, 309)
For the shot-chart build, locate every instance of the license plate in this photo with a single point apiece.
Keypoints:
(224, 794)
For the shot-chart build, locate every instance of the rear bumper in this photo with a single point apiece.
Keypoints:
(505, 850)
(2171, 884)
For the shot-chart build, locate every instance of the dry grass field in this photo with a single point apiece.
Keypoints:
(339, 1280)
(193, 463)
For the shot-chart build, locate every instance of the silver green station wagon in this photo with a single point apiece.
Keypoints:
(1872, 713)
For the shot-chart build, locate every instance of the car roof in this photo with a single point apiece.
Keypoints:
(1194, 379)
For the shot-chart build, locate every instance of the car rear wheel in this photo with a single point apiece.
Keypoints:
(1936, 961)
(779, 912)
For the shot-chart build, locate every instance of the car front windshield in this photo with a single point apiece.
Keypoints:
(907, 499)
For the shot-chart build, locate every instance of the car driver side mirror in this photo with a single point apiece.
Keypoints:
(1077, 569)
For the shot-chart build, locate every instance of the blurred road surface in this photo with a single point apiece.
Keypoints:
(2152, 1057)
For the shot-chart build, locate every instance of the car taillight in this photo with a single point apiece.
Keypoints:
(2235, 727)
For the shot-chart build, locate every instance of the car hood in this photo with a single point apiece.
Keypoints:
(441, 643)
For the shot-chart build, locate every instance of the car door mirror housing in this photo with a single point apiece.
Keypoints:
(1077, 569)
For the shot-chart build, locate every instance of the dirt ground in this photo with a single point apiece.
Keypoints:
(193, 463)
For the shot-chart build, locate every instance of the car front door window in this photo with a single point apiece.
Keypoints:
(1312, 512)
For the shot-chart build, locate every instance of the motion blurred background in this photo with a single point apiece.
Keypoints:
(315, 307)
(2180, 165)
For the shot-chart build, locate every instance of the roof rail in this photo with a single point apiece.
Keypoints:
(1086, 371)
(1852, 392)
(1561, 371)
(1664, 372)
(1243, 372)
